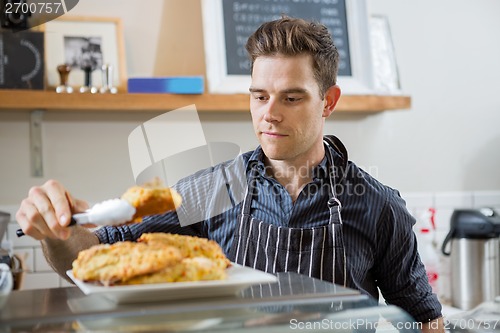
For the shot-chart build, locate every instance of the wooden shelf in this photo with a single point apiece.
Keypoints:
(123, 102)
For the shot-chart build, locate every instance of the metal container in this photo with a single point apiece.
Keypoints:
(4, 254)
(474, 257)
(4, 221)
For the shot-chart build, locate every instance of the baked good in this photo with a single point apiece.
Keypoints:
(154, 258)
(190, 246)
(151, 200)
(110, 263)
(189, 269)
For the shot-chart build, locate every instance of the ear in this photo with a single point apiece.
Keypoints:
(332, 96)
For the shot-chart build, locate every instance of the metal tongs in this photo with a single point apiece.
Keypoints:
(108, 212)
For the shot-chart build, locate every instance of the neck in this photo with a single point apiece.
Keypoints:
(295, 173)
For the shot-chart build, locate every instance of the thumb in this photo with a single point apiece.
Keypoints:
(80, 205)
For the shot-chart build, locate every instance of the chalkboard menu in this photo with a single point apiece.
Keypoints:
(21, 60)
(243, 17)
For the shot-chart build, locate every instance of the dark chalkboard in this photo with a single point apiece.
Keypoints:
(21, 60)
(242, 17)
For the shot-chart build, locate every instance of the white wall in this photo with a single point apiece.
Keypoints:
(449, 59)
(448, 53)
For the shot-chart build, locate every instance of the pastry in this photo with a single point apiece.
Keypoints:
(154, 258)
(151, 200)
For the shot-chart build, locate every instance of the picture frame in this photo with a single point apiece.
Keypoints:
(385, 73)
(66, 36)
(359, 80)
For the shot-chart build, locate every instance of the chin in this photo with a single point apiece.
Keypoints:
(275, 153)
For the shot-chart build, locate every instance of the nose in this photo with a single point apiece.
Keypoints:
(272, 111)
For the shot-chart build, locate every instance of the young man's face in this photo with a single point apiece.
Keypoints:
(287, 110)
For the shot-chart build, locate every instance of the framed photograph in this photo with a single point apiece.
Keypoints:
(85, 42)
(227, 24)
(385, 73)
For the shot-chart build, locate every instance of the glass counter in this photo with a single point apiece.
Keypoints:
(295, 303)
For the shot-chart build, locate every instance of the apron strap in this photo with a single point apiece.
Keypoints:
(250, 191)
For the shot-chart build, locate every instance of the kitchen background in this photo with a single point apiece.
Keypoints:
(443, 153)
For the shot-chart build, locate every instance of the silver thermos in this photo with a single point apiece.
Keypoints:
(474, 256)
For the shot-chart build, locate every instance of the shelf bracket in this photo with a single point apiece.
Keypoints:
(36, 119)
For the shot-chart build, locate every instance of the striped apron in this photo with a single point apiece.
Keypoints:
(316, 252)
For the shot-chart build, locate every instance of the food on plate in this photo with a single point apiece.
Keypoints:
(110, 263)
(151, 200)
(154, 258)
(190, 247)
(188, 269)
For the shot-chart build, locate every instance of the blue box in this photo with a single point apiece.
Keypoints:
(170, 85)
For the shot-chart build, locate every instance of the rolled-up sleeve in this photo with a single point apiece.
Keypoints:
(400, 273)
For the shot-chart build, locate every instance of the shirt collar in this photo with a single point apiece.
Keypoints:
(257, 158)
(321, 170)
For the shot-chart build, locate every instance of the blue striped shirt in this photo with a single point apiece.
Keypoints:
(380, 245)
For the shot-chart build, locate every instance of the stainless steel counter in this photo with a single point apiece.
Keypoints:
(295, 302)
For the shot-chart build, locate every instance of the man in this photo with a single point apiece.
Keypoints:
(306, 208)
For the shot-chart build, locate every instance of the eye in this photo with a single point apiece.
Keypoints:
(261, 98)
(293, 99)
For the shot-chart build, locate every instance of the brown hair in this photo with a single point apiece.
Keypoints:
(294, 36)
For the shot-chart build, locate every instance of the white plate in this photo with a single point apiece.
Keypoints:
(238, 278)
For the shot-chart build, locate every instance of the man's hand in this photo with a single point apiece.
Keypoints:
(434, 326)
(47, 210)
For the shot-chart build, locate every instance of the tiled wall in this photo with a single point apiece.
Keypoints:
(40, 274)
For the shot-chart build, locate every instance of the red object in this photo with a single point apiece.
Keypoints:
(433, 217)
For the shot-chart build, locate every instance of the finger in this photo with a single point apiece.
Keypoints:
(28, 218)
(79, 206)
(60, 202)
(48, 224)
